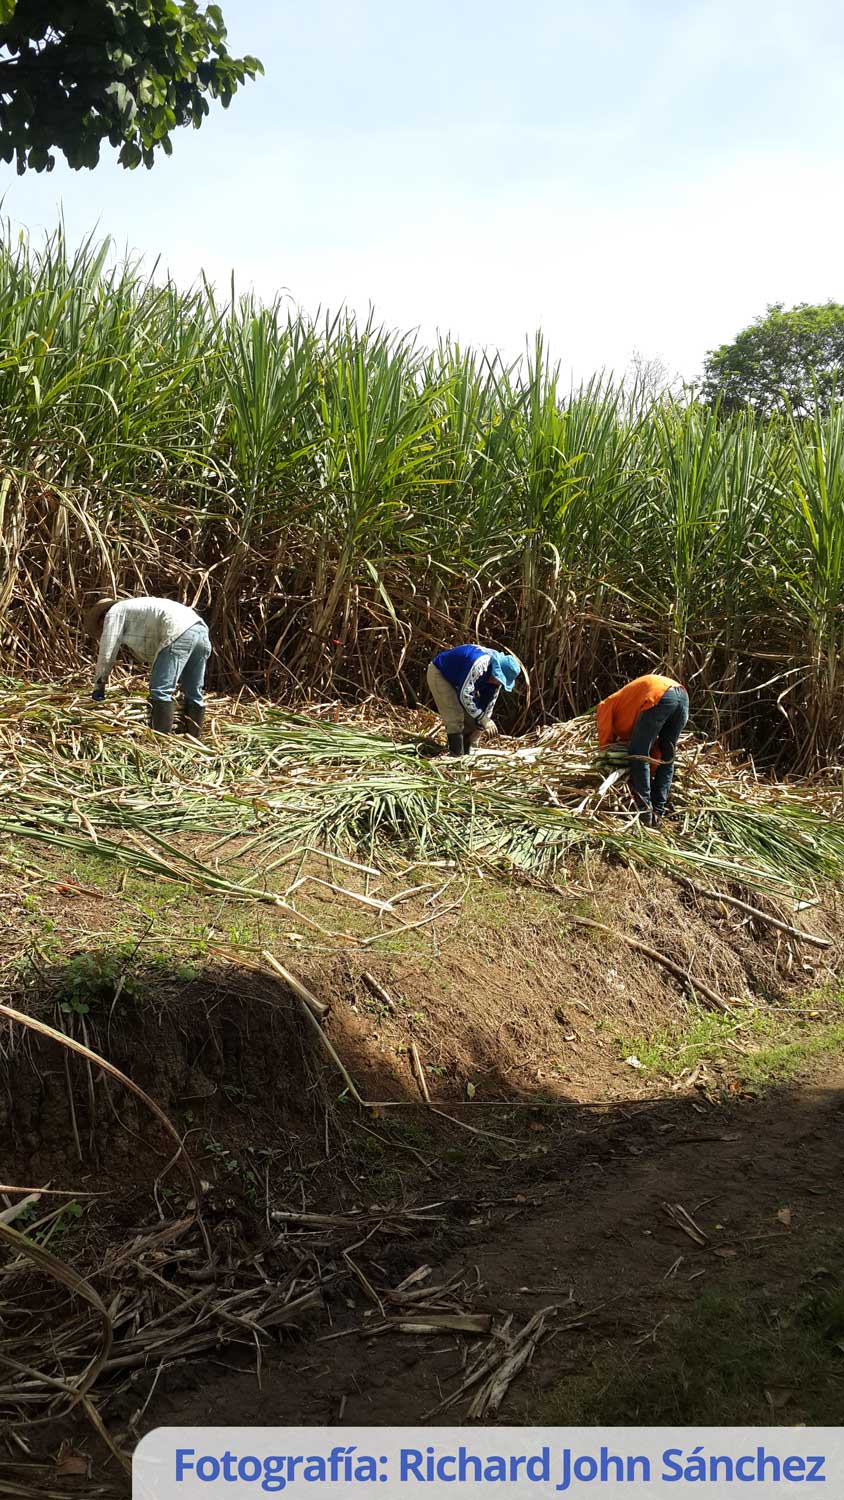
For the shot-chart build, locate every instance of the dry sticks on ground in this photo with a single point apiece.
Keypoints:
(766, 918)
(163, 1297)
(694, 985)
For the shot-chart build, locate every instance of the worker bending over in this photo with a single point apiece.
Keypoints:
(648, 715)
(465, 683)
(171, 638)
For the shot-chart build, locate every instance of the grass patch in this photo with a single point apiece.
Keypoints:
(779, 1062)
(738, 1356)
(708, 1035)
(493, 902)
(760, 1047)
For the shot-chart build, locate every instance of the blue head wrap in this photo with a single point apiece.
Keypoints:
(505, 669)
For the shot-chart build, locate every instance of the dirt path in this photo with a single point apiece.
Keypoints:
(761, 1179)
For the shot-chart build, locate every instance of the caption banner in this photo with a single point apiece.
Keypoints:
(438, 1463)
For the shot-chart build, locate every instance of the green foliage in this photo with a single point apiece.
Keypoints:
(74, 73)
(90, 979)
(341, 502)
(785, 359)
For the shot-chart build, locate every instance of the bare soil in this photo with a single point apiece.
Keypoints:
(584, 1228)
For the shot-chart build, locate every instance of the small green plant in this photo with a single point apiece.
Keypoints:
(61, 1226)
(90, 979)
(236, 1094)
(75, 1007)
(780, 1062)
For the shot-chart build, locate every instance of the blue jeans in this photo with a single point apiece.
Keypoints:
(664, 723)
(183, 661)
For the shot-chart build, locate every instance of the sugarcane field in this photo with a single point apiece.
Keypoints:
(421, 863)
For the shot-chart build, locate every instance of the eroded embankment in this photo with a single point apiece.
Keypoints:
(522, 1003)
(315, 1211)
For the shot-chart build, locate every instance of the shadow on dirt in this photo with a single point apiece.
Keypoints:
(689, 1248)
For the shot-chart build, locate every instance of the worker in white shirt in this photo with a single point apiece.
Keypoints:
(171, 638)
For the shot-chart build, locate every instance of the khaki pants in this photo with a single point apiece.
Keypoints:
(449, 707)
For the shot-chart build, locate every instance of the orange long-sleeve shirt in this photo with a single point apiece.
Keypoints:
(618, 713)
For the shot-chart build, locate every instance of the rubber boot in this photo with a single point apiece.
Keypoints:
(193, 720)
(644, 809)
(455, 745)
(161, 716)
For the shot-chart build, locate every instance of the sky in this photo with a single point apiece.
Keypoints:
(627, 175)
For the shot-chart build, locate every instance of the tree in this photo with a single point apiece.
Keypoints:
(651, 379)
(792, 358)
(74, 73)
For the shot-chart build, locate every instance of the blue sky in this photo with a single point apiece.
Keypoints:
(626, 174)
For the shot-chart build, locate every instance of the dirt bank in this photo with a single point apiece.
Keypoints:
(542, 1182)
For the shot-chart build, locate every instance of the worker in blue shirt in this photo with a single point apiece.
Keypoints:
(465, 683)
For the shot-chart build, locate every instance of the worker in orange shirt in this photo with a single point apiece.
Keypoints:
(648, 715)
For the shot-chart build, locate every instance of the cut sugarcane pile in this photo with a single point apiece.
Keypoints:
(278, 783)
